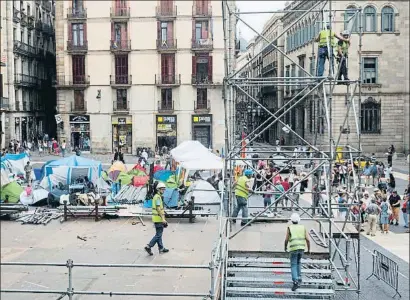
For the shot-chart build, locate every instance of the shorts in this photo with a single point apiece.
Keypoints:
(267, 202)
(384, 220)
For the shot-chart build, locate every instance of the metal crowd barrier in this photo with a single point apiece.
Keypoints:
(386, 270)
(70, 292)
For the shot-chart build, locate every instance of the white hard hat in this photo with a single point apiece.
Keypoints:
(295, 218)
(345, 32)
(161, 185)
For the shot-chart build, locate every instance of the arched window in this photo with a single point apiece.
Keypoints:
(369, 19)
(370, 116)
(387, 19)
(351, 20)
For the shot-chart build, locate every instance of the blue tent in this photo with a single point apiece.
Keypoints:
(163, 175)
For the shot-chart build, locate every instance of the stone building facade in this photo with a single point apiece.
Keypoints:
(139, 73)
(384, 102)
(27, 66)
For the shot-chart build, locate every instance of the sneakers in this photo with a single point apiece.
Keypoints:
(163, 250)
(295, 286)
(148, 249)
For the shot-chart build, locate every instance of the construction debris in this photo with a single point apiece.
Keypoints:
(8, 209)
(130, 195)
(40, 216)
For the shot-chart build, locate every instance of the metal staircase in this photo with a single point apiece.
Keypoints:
(255, 275)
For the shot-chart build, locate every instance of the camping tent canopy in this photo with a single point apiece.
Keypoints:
(189, 150)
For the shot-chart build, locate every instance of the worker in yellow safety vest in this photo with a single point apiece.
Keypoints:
(342, 54)
(326, 38)
(158, 218)
(242, 189)
(296, 239)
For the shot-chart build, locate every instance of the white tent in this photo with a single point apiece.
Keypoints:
(208, 161)
(189, 150)
(203, 192)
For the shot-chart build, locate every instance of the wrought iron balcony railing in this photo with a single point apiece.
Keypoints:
(164, 12)
(167, 45)
(76, 46)
(72, 81)
(24, 49)
(76, 13)
(199, 79)
(25, 80)
(168, 79)
(202, 44)
(165, 106)
(202, 106)
(120, 45)
(79, 106)
(120, 80)
(120, 106)
(122, 12)
(199, 11)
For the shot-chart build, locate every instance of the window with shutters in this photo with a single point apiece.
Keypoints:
(370, 113)
(201, 30)
(79, 103)
(201, 99)
(387, 19)
(369, 19)
(202, 7)
(166, 99)
(78, 69)
(122, 99)
(166, 34)
(351, 19)
(168, 68)
(287, 75)
(202, 68)
(370, 70)
(121, 69)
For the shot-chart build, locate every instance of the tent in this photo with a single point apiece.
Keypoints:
(203, 192)
(208, 161)
(189, 150)
(68, 169)
(36, 196)
(14, 163)
(13, 190)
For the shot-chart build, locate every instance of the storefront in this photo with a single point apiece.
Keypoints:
(122, 133)
(202, 129)
(166, 128)
(80, 132)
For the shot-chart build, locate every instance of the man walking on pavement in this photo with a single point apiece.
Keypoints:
(242, 188)
(373, 210)
(297, 239)
(28, 169)
(342, 51)
(158, 218)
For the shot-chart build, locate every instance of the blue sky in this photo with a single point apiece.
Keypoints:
(256, 20)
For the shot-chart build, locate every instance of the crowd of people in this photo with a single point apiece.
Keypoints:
(44, 145)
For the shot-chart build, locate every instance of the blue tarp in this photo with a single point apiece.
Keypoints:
(163, 175)
(171, 197)
(73, 161)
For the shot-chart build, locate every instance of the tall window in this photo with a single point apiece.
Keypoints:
(301, 59)
(387, 19)
(122, 99)
(121, 69)
(202, 68)
(370, 113)
(351, 20)
(293, 74)
(166, 99)
(369, 19)
(77, 6)
(287, 75)
(78, 69)
(79, 100)
(370, 70)
(202, 7)
(201, 30)
(168, 68)
(201, 98)
(78, 34)
(312, 65)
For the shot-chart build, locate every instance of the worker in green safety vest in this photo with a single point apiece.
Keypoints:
(158, 217)
(242, 189)
(296, 239)
(326, 38)
(342, 54)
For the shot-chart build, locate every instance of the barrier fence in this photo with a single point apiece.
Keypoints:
(386, 270)
(70, 292)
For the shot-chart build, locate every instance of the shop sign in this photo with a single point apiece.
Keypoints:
(17, 121)
(167, 119)
(122, 121)
(201, 119)
(59, 119)
(79, 119)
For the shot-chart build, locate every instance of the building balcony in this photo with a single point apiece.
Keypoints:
(39, 26)
(202, 12)
(78, 81)
(79, 107)
(167, 80)
(120, 46)
(120, 106)
(166, 106)
(47, 5)
(24, 49)
(75, 47)
(17, 105)
(4, 104)
(25, 80)
(23, 20)
(48, 29)
(167, 45)
(201, 79)
(166, 13)
(202, 44)
(120, 13)
(270, 67)
(120, 81)
(76, 13)
(202, 107)
(31, 23)
(16, 15)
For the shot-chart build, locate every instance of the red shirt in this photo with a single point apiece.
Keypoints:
(158, 168)
(285, 185)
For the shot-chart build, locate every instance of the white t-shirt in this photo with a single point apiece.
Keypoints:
(342, 169)
(63, 145)
(144, 155)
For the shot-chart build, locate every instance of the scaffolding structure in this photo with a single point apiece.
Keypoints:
(343, 242)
